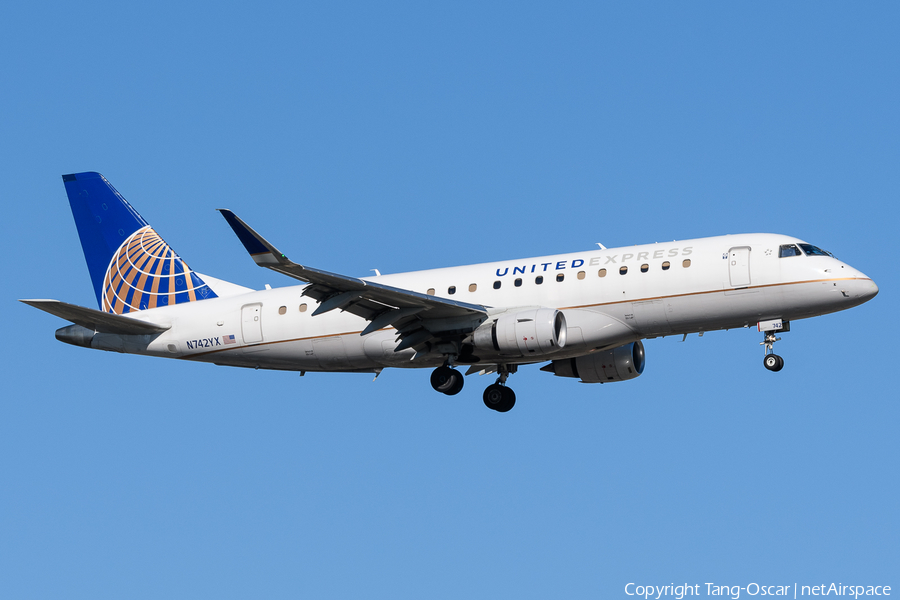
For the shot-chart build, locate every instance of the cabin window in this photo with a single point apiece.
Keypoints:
(303, 307)
(644, 268)
(580, 274)
(430, 292)
(451, 290)
(788, 250)
(539, 280)
(282, 310)
(623, 270)
(601, 273)
(496, 285)
(473, 287)
(518, 282)
(560, 276)
(686, 263)
(666, 265)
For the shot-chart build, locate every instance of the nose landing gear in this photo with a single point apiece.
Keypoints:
(771, 361)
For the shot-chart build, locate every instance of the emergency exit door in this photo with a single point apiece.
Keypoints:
(739, 266)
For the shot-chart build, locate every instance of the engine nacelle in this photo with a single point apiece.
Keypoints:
(619, 364)
(527, 333)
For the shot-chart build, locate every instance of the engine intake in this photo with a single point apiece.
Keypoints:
(527, 333)
(618, 364)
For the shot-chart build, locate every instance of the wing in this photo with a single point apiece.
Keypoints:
(418, 318)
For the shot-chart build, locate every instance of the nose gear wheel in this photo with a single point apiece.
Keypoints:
(773, 362)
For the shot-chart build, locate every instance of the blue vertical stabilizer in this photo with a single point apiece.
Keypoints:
(131, 267)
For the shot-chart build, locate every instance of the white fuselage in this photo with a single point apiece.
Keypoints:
(668, 288)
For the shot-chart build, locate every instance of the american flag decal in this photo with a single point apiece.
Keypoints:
(229, 339)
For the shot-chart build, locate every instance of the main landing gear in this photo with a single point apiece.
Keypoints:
(447, 380)
(497, 396)
(772, 361)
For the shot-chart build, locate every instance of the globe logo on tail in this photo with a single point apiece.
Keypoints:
(146, 273)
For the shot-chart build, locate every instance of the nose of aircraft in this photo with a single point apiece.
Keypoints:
(868, 290)
(864, 288)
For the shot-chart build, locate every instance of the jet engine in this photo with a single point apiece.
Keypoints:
(617, 364)
(526, 333)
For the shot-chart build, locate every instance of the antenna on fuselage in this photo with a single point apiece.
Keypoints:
(602, 247)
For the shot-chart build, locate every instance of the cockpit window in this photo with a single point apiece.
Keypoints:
(811, 250)
(788, 250)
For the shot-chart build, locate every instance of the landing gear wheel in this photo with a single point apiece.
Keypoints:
(493, 396)
(509, 400)
(458, 381)
(773, 362)
(447, 381)
(499, 397)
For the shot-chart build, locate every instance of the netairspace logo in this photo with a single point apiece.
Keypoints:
(678, 592)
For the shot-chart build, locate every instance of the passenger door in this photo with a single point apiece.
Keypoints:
(739, 266)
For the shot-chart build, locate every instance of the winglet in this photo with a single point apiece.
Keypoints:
(260, 250)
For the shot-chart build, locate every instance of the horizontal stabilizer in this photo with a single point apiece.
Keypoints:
(96, 320)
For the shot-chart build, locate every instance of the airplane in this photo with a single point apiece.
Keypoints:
(585, 314)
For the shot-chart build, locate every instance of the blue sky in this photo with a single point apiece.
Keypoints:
(408, 136)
